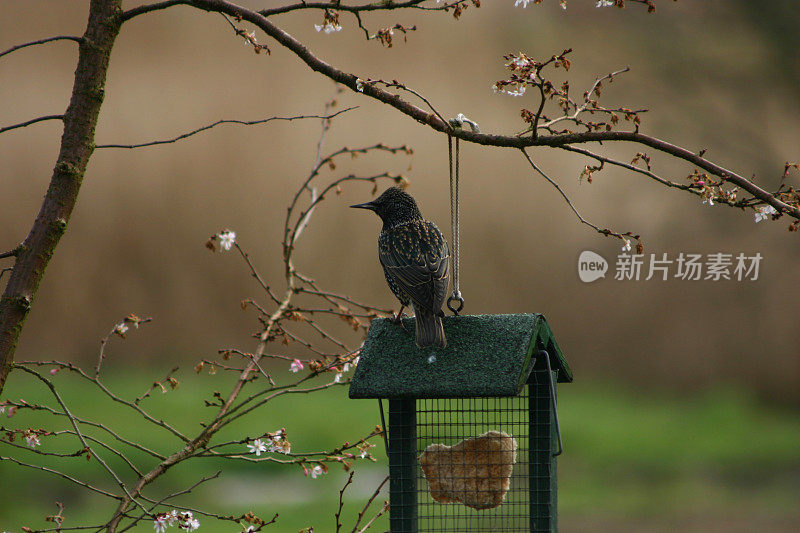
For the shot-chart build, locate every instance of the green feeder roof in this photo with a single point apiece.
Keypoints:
(486, 356)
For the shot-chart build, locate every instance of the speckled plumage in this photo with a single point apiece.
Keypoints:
(415, 259)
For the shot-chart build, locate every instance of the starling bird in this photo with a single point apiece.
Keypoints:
(416, 261)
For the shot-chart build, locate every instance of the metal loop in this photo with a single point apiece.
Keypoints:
(460, 120)
(455, 298)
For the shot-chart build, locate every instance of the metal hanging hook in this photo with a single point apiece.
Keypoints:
(455, 297)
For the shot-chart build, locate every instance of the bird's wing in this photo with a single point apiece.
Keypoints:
(417, 258)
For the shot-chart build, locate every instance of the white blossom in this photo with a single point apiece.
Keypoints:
(121, 328)
(709, 200)
(257, 447)
(249, 36)
(296, 366)
(317, 471)
(360, 85)
(328, 27)
(627, 246)
(762, 213)
(517, 62)
(519, 91)
(523, 2)
(364, 449)
(190, 525)
(226, 239)
(337, 378)
(33, 440)
(160, 523)
(605, 3)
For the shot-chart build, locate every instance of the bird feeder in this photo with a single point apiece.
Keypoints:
(473, 428)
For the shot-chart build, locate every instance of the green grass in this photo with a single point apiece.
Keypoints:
(628, 456)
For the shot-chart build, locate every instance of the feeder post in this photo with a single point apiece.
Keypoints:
(543, 497)
(402, 465)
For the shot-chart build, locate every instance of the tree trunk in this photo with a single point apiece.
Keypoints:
(77, 145)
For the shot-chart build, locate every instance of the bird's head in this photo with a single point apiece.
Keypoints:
(394, 206)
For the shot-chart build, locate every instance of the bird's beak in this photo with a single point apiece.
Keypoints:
(367, 205)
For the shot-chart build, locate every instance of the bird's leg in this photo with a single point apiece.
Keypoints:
(398, 318)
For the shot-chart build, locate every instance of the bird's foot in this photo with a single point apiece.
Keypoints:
(398, 319)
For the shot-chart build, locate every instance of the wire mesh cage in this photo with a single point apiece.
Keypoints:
(472, 432)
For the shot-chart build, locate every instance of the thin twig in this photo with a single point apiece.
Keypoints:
(338, 514)
(369, 502)
(372, 520)
(256, 275)
(261, 402)
(116, 329)
(217, 123)
(78, 433)
(43, 41)
(32, 121)
(403, 87)
(62, 475)
(186, 490)
(563, 195)
(630, 167)
(84, 421)
(106, 446)
(155, 384)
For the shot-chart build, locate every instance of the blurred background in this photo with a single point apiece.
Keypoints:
(684, 411)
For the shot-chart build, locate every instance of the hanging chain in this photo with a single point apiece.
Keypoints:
(455, 206)
(455, 209)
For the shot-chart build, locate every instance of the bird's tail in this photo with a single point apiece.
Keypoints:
(429, 329)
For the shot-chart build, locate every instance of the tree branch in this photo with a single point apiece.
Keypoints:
(377, 6)
(334, 5)
(77, 140)
(42, 41)
(148, 8)
(32, 121)
(509, 141)
(10, 253)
